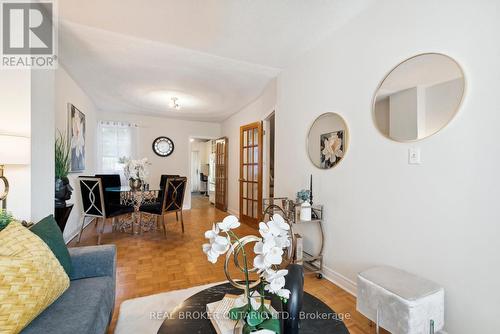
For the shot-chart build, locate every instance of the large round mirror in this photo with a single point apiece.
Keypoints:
(327, 140)
(418, 97)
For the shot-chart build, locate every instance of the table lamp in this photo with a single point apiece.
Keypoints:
(14, 150)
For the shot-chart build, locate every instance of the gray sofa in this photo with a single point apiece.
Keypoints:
(87, 306)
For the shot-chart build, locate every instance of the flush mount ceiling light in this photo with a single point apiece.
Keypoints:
(174, 104)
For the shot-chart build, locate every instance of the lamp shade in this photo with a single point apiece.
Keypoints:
(14, 150)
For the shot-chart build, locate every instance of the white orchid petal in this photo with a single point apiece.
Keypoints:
(284, 293)
(206, 248)
(221, 240)
(258, 248)
(230, 220)
(258, 262)
(274, 256)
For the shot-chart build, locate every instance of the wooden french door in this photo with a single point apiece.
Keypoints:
(221, 174)
(251, 172)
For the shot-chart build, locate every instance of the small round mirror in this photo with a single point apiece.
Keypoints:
(418, 97)
(327, 140)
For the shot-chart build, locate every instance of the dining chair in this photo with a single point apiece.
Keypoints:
(163, 185)
(112, 199)
(94, 204)
(171, 200)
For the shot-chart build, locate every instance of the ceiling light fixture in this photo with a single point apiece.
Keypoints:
(174, 104)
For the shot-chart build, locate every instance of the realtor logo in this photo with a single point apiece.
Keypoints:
(28, 34)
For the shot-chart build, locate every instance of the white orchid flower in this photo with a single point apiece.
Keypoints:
(221, 244)
(283, 293)
(213, 233)
(258, 248)
(229, 223)
(273, 256)
(218, 244)
(212, 255)
(276, 281)
(264, 230)
(280, 222)
(283, 241)
(260, 263)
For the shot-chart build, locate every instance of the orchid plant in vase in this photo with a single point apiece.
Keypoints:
(136, 171)
(269, 251)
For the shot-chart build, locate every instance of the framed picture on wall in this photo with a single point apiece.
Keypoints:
(331, 148)
(76, 132)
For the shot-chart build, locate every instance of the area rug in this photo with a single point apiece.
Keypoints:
(138, 315)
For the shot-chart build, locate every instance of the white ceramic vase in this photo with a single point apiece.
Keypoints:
(305, 211)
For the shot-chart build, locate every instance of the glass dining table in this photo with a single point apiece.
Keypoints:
(131, 197)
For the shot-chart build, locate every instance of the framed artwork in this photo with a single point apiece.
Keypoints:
(331, 148)
(76, 132)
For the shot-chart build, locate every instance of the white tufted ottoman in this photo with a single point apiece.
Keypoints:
(400, 302)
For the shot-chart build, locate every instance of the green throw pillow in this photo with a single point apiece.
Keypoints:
(49, 232)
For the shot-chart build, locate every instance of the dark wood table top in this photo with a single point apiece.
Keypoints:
(318, 317)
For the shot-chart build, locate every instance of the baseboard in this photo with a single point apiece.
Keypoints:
(233, 212)
(74, 235)
(340, 280)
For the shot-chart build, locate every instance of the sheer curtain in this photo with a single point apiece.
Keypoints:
(116, 140)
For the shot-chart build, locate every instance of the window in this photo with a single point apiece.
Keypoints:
(117, 140)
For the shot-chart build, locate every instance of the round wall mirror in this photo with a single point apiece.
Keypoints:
(418, 97)
(327, 140)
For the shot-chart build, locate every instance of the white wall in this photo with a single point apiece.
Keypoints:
(441, 103)
(15, 116)
(438, 220)
(68, 91)
(42, 143)
(255, 111)
(179, 131)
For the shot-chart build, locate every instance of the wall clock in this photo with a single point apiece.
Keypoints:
(163, 146)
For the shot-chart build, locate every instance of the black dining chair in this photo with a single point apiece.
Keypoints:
(94, 204)
(163, 179)
(171, 200)
(112, 200)
(163, 185)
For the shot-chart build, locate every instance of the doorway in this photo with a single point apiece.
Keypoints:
(268, 162)
(251, 172)
(201, 174)
(221, 165)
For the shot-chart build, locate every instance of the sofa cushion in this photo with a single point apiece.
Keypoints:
(31, 278)
(84, 308)
(50, 233)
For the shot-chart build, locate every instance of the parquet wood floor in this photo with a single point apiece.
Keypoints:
(150, 264)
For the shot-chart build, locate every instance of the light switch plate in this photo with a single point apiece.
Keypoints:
(414, 156)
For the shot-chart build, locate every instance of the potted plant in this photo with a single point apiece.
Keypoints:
(5, 219)
(63, 189)
(253, 315)
(136, 172)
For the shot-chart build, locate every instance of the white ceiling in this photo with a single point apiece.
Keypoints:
(216, 56)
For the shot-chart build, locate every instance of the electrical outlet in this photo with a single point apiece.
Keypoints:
(414, 156)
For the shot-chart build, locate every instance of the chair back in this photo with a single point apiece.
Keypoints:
(92, 195)
(110, 181)
(163, 185)
(174, 194)
(163, 179)
(293, 307)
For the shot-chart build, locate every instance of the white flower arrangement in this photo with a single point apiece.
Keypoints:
(269, 255)
(136, 169)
